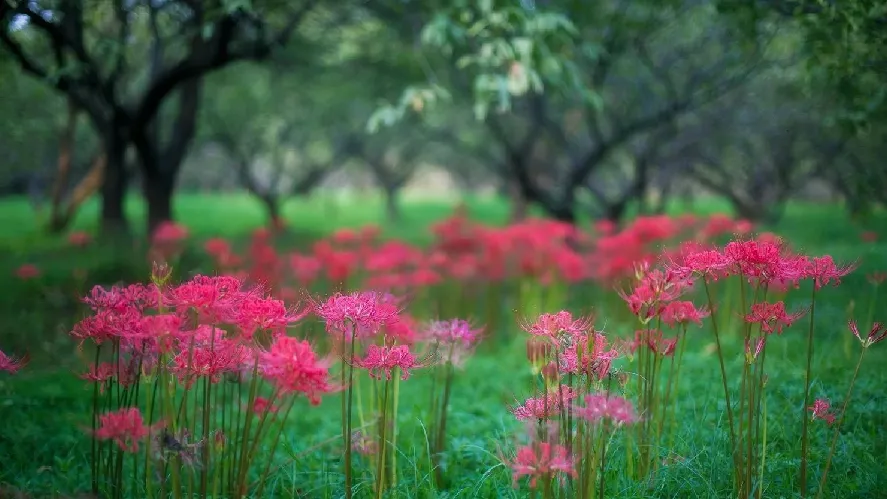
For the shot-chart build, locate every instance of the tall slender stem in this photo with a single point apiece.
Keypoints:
(804, 418)
(350, 365)
(831, 452)
(714, 325)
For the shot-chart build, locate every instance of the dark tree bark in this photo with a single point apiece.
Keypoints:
(520, 206)
(94, 86)
(114, 185)
(392, 207)
(57, 220)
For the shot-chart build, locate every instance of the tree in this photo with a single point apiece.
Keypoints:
(620, 70)
(844, 44)
(95, 58)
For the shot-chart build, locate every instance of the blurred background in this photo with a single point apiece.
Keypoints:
(120, 114)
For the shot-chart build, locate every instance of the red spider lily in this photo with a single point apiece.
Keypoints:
(27, 272)
(541, 460)
(823, 271)
(772, 316)
(209, 362)
(305, 268)
(599, 407)
(682, 312)
(292, 366)
(554, 325)
(699, 262)
(545, 407)
(254, 313)
(592, 358)
(125, 427)
(261, 405)
(381, 360)
(403, 330)
(214, 299)
(169, 232)
(455, 338)
(820, 410)
(12, 364)
(876, 334)
(124, 373)
(362, 314)
(653, 291)
(79, 239)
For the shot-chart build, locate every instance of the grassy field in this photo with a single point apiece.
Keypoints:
(44, 408)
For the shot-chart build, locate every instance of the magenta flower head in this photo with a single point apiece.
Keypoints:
(772, 316)
(125, 427)
(823, 270)
(600, 407)
(542, 460)
(12, 364)
(876, 334)
(382, 360)
(554, 325)
(357, 315)
(683, 312)
(820, 410)
(545, 407)
(292, 367)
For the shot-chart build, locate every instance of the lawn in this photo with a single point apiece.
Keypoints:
(44, 409)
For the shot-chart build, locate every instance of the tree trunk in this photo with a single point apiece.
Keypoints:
(520, 206)
(57, 219)
(392, 208)
(158, 191)
(114, 185)
(272, 208)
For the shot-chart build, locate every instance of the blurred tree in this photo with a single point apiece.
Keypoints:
(845, 45)
(580, 81)
(121, 61)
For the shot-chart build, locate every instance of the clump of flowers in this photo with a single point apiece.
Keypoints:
(189, 344)
(569, 440)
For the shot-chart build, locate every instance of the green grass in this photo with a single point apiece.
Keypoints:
(43, 448)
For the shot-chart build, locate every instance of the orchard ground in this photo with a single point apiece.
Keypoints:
(44, 409)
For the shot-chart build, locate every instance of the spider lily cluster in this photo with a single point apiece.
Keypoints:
(194, 383)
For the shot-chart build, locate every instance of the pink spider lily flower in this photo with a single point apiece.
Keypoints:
(600, 407)
(545, 407)
(382, 360)
(455, 338)
(683, 313)
(261, 405)
(292, 366)
(12, 364)
(361, 315)
(555, 325)
(772, 316)
(876, 334)
(823, 270)
(820, 410)
(542, 460)
(125, 427)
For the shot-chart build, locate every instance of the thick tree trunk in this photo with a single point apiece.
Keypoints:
(114, 185)
(158, 191)
(272, 208)
(520, 206)
(392, 208)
